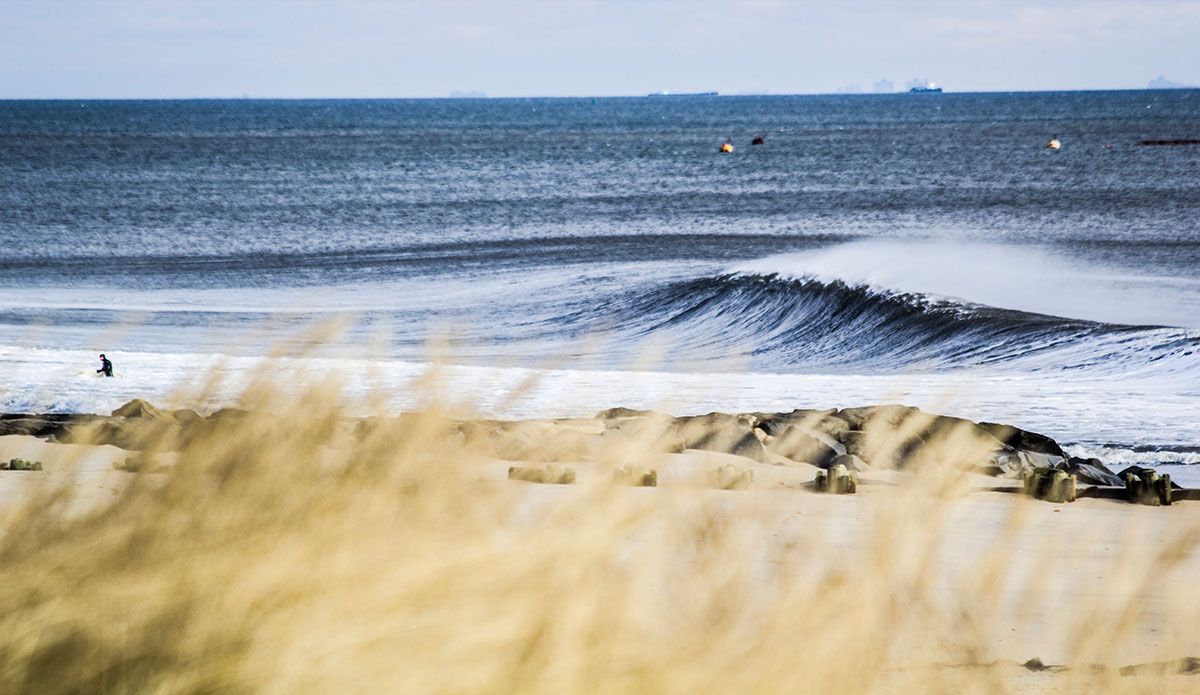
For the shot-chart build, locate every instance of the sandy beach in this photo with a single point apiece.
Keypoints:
(945, 572)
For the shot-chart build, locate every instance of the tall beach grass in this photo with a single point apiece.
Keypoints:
(293, 550)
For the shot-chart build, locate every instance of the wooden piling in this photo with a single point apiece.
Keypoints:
(637, 477)
(19, 464)
(1148, 488)
(1050, 484)
(552, 474)
(559, 475)
(837, 480)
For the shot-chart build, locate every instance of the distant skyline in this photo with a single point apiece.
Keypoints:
(419, 48)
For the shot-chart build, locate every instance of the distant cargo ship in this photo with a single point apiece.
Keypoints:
(665, 93)
(927, 88)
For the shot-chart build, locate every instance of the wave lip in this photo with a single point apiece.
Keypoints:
(806, 323)
(1021, 278)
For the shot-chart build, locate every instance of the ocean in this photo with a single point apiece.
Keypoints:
(560, 256)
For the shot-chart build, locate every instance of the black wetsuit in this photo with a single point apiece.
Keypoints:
(105, 367)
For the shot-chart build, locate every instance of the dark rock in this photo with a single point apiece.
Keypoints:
(185, 416)
(915, 423)
(119, 432)
(473, 431)
(908, 419)
(727, 434)
(145, 426)
(750, 447)
(1023, 440)
(1037, 665)
(1092, 471)
(52, 425)
(403, 424)
(653, 432)
(823, 421)
(614, 413)
(30, 426)
(229, 414)
(902, 437)
(131, 433)
(855, 442)
(881, 451)
(805, 446)
(894, 415)
(946, 426)
(1139, 471)
(1008, 463)
(850, 461)
(179, 430)
(532, 440)
(137, 408)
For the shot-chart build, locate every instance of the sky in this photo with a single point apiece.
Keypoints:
(425, 48)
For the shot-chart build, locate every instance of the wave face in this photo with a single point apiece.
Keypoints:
(707, 318)
(807, 324)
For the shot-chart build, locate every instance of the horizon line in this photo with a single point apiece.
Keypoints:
(484, 96)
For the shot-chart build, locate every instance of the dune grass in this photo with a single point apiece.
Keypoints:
(293, 552)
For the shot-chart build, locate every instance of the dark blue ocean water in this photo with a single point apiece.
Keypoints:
(930, 238)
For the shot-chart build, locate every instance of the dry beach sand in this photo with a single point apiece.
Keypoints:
(303, 551)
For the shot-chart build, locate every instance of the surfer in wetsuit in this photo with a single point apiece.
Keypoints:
(105, 366)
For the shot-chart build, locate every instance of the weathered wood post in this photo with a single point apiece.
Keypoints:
(19, 464)
(1147, 487)
(1030, 481)
(554, 474)
(559, 475)
(1050, 484)
(1164, 489)
(836, 480)
(638, 477)
(531, 475)
(1060, 488)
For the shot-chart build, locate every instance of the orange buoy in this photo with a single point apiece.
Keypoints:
(727, 147)
(1054, 144)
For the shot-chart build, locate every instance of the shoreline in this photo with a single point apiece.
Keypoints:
(869, 440)
(1122, 422)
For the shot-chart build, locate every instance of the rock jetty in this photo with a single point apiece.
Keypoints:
(889, 437)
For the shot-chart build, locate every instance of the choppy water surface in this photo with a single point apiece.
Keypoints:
(919, 248)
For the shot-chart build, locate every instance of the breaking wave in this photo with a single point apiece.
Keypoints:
(807, 324)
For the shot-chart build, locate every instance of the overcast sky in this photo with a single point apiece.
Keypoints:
(419, 48)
